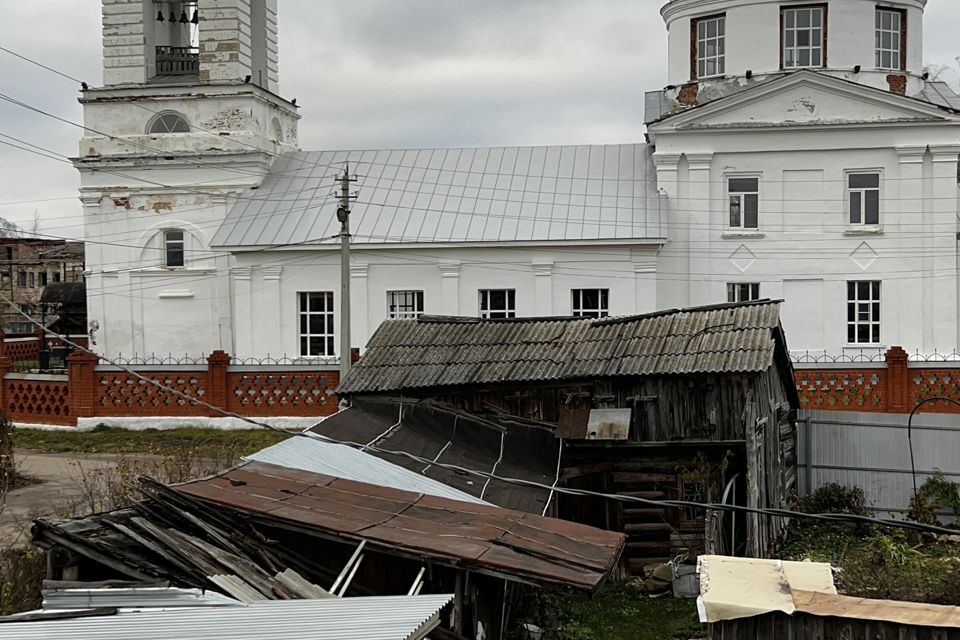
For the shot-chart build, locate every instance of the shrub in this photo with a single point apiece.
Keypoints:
(834, 498)
(935, 496)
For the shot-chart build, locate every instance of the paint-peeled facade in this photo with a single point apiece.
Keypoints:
(644, 227)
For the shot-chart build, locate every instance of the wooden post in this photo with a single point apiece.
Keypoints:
(898, 381)
(753, 481)
(217, 363)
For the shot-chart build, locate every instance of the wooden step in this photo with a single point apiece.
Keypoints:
(648, 528)
(648, 548)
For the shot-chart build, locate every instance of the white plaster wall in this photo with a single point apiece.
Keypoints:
(753, 38)
(449, 276)
(804, 250)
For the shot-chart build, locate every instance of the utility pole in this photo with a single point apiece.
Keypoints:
(343, 215)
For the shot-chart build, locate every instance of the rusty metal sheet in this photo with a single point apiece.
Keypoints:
(528, 547)
(609, 424)
(573, 423)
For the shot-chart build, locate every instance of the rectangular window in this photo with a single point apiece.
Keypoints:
(804, 37)
(317, 324)
(498, 303)
(21, 278)
(863, 195)
(891, 38)
(56, 276)
(404, 304)
(709, 46)
(43, 278)
(744, 196)
(9, 254)
(173, 248)
(591, 303)
(743, 291)
(33, 279)
(863, 312)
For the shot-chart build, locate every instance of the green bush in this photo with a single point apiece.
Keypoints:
(834, 498)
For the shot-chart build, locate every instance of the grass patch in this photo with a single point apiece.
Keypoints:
(203, 443)
(620, 613)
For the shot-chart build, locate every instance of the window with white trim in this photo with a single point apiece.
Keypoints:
(498, 303)
(403, 305)
(710, 46)
(173, 248)
(590, 303)
(863, 198)
(744, 198)
(804, 37)
(890, 43)
(863, 312)
(743, 291)
(316, 323)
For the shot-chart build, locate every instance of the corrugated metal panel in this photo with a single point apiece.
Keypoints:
(341, 461)
(138, 597)
(940, 93)
(375, 618)
(495, 195)
(433, 352)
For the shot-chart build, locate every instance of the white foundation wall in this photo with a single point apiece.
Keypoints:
(264, 285)
(805, 251)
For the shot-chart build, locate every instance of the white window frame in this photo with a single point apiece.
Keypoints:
(404, 304)
(318, 305)
(792, 32)
(509, 309)
(743, 291)
(599, 310)
(893, 33)
(863, 311)
(862, 196)
(168, 122)
(710, 54)
(740, 198)
(170, 243)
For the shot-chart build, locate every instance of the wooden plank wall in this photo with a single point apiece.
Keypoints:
(779, 626)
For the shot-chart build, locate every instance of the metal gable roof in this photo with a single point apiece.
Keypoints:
(467, 195)
(407, 354)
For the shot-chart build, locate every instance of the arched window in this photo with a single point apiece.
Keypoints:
(173, 248)
(168, 122)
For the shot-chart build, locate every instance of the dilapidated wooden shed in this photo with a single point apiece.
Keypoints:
(696, 404)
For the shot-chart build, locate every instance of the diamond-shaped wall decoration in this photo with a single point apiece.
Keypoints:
(743, 258)
(863, 256)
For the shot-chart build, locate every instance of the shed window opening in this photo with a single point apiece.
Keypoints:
(591, 303)
(317, 334)
(173, 248)
(803, 37)
(498, 303)
(864, 198)
(404, 305)
(889, 38)
(744, 196)
(743, 291)
(863, 312)
(710, 46)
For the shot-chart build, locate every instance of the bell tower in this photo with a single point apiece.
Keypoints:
(188, 120)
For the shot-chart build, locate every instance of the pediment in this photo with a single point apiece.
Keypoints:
(805, 101)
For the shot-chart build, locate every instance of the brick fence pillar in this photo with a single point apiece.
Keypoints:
(217, 363)
(898, 381)
(6, 365)
(82, 370)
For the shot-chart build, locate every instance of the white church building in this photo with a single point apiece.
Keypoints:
(799, 152)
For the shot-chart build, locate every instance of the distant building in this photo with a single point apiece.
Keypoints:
(27, 266)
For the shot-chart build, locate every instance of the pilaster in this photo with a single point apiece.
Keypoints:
(243, 310)
(699, 227)
(359, 303)
(645, 283)
(450, 287)
(543, 287)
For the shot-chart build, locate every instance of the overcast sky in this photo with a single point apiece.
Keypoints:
(382, 74)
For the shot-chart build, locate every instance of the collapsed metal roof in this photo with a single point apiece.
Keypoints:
(445, 352)
(363, 618)
(486, 539)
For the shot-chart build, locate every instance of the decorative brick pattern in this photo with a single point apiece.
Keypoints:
(842, 390)
(38, 401)
(932, 383)
(282, 394)
(121, 394)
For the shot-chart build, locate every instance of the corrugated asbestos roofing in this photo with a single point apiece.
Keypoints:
(508, 543)
(315, 455)
(940, 93)
(492, 195)
(437, 352)
(374, 618)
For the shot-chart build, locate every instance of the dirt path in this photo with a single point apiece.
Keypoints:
(59, 491)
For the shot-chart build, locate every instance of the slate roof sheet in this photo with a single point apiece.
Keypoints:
(467, 195)
(434, 352)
